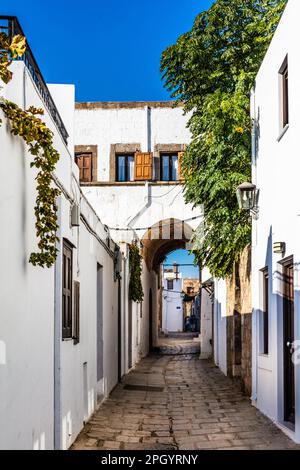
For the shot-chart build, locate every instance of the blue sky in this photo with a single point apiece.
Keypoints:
(183, 256)
(110, 49)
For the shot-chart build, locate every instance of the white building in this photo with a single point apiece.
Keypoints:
(276, 248)
(172, 314)
(51, 382)
(129, 154)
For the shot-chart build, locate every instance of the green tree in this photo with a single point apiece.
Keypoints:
(211, 70)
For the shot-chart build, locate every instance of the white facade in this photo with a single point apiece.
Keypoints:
(49, 387)
(275, 172)
(172, 313)
(138, 210)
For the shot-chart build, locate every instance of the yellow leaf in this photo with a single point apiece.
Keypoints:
(18, 46)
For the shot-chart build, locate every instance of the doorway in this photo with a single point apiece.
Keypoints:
(288, 340)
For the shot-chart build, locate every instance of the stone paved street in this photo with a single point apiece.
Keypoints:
(179, 402)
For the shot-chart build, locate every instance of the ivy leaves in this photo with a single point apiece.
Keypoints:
(211, 70)
(136, 293)
(9, 50)
(39, 139)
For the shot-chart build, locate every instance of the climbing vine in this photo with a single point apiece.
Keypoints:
(10, 49)
(39, 139)
(136, 292)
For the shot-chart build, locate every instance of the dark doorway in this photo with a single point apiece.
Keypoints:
(288, 340)
(119, 331)
(150, 320)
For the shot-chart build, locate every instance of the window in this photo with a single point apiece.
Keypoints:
(169, 167)
(86, 157)
(67, 290)
(84, 163)
(125, 167)
(284, 93)
(170, 284)
(265, 311)
(190, 290)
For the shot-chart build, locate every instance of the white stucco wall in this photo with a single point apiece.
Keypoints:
(141, 207)
(35, 407)
(206, 325)
(275, 172)
(144, 125)
(219, 322)
(172, 311)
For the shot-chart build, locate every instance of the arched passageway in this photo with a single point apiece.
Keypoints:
(162, 238)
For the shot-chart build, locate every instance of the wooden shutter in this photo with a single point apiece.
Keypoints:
(67, 291)
(84, 162)
(143, 166)
(76, 312)
(180, 170)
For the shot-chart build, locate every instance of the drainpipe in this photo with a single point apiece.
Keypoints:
(57, 336)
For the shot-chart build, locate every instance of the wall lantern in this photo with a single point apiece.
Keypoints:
(247, 196)
(279, 247)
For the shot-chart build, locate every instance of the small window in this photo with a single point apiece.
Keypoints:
(125, 167)
(170, 284)
(67, 275)
(284, 93)
(190, 290)
(84, 163)
(169, 167)
(265, 312)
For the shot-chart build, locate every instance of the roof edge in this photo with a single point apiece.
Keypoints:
(127, 104)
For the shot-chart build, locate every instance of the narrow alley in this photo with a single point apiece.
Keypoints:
(174, 401)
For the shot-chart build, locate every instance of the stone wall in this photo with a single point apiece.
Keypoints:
(238, 311)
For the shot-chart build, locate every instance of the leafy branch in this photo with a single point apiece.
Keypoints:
(136, 292)
(39, 139)
(10, 49)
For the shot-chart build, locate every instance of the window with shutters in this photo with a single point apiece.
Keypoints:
(143, 166)
(169, 167)
(67, 279)
(125, 167)
(170, 284)
(84, 163)
(86, 158)
(284, 94)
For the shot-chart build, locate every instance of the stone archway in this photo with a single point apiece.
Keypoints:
(158, 241)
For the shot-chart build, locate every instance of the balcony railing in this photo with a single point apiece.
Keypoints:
(11, 26)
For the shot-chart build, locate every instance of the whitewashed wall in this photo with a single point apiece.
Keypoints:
(144, 125)
(37, 408)
(219, 319)
(275, 172)
(172, 312)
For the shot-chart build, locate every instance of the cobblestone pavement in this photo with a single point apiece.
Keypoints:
(179, 402)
